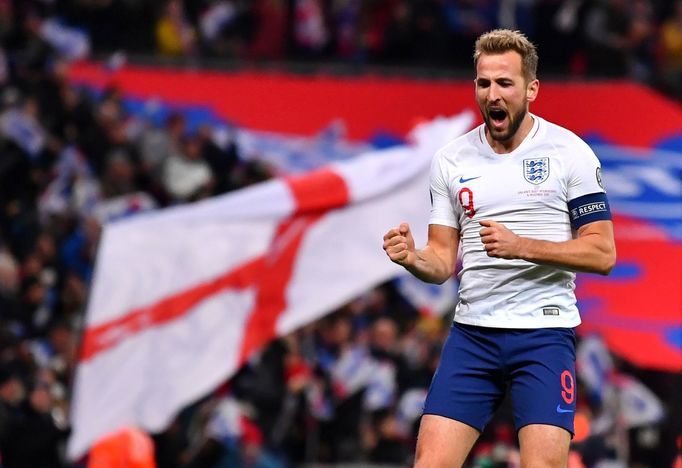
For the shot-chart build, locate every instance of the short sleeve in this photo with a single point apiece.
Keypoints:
(586, 195)
(442, 206)
(584, 172)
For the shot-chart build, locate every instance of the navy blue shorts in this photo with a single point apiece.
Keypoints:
(478, 364)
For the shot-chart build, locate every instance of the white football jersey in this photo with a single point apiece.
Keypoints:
(528, 191)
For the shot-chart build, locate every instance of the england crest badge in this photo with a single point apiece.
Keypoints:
(536, 170)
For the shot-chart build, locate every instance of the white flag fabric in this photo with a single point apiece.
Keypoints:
(181, 297)
(638, 406)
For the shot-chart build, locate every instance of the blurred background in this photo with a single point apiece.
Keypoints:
(117, 109)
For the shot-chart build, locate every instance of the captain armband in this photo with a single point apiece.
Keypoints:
(589, 208)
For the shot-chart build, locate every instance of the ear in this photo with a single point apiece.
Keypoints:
(532, 90)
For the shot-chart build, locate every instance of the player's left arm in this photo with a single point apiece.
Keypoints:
(594, 249)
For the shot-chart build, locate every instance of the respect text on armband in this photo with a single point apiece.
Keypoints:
(589, 208)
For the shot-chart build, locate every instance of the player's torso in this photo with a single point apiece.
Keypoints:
(525, 190)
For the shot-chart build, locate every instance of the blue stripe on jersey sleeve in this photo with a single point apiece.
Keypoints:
(589, 208)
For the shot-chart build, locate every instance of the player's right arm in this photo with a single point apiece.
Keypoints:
(434, 263)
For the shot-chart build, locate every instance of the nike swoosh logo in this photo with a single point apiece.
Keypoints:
(559, 409)
(462, 179)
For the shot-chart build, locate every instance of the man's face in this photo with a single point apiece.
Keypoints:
(502, 93)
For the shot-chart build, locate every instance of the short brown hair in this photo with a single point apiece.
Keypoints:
(499, 41)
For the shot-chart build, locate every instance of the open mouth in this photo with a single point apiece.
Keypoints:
(497, 115)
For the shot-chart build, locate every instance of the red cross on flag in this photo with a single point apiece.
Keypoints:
(181, 297)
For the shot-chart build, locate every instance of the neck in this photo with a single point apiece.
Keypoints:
(507, 146)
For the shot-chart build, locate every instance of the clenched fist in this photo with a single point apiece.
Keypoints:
(499, 241)
(399, 245)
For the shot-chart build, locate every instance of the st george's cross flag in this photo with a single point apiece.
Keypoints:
(182, 297)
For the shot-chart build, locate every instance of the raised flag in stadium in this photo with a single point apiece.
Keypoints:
(182, 297)
(639, 302)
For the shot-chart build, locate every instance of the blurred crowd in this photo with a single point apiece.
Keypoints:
(71, 160)
(347, 388)
(638, 39)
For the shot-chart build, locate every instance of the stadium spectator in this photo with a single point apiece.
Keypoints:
(607, 30)
(222, 160)
(33, 435)
(309, 26)
(642, 40)
(345, 19)
(186, 176)
(398, 35)
(269, 41)
(670, 44)
(431, 41)
(175, 36)
(388, 445)
(11, 393)
(9, 286)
